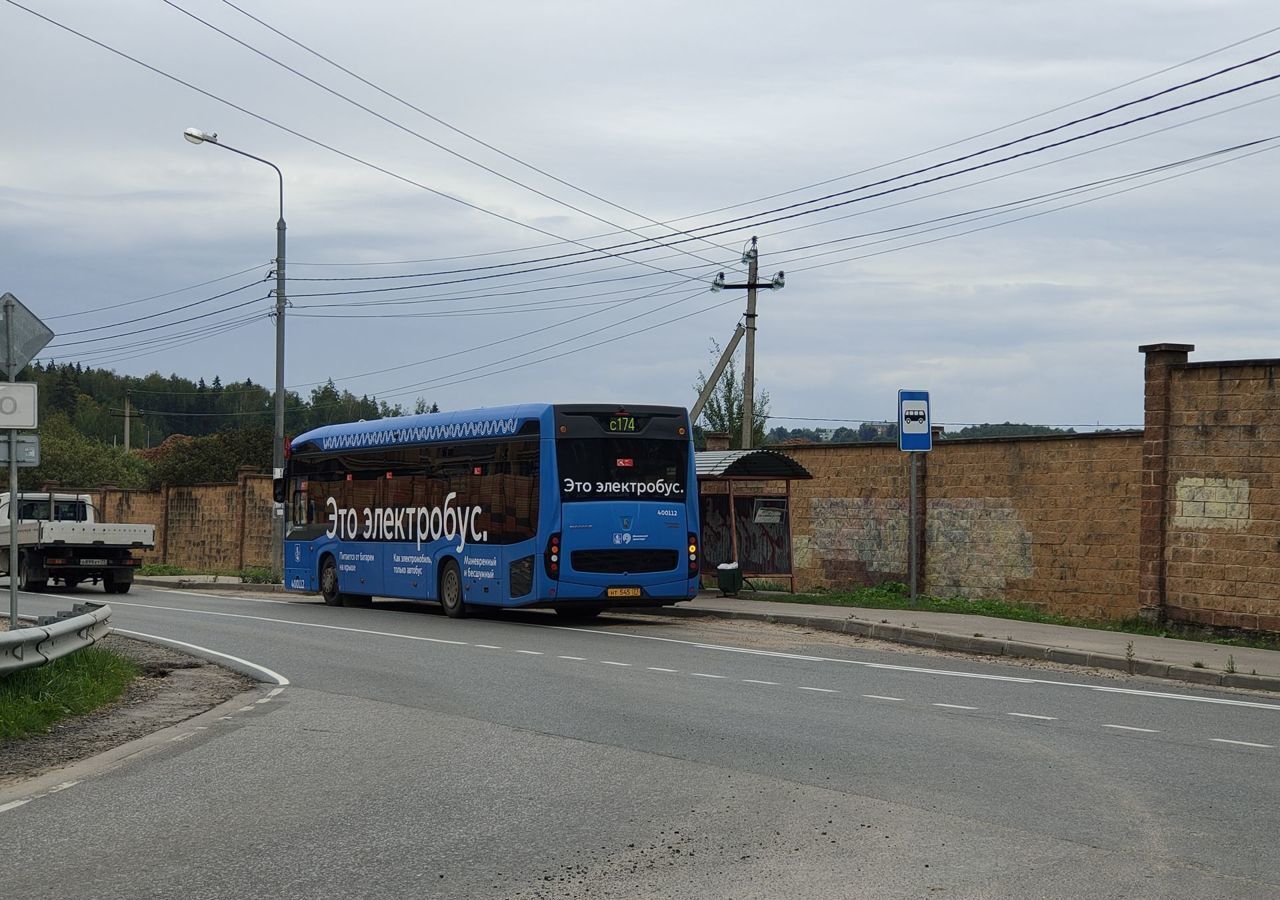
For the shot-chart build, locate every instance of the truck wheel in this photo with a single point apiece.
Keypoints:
(329, 583)
(451, 591)
(26, 582)
(113, 585)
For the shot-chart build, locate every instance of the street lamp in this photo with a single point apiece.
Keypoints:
(196, 136)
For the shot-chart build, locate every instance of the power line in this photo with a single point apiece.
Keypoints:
(408, 130)
(827, 181)
(453, 128)
(114, 337)
(792, 215)
(182, 290)
(313, 141)
(159, 314)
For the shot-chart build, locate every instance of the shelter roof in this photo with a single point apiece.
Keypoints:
(761, 465)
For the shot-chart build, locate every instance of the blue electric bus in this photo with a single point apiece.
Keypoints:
(574, 507)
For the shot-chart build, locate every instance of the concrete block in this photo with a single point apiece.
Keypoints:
(1253, 682)
(1194, 675)
(1071, 657)
(1027, 651)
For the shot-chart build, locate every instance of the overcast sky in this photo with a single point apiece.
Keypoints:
(673, 111)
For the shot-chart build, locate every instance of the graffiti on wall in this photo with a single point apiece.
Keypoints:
(763, 545)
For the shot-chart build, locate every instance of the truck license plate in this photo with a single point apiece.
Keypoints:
(93, 562)
(623, 592)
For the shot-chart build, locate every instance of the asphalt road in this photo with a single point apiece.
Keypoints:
(412, 755)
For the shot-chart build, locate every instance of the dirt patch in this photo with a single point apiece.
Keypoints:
(173, 687)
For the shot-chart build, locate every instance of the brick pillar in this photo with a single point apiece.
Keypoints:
(1161, 359)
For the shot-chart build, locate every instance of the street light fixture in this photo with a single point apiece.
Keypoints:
(196, 136)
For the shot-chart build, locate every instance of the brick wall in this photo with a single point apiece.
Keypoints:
(205, 527)
(1222, 496)
(1047, 521)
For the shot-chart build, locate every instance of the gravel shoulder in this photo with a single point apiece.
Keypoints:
(172, 687)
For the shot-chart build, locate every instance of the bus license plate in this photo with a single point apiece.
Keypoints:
(623, 592)
(93, 562)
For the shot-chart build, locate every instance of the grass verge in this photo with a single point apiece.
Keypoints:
(894, 595)
(32, 700)
(250, 574)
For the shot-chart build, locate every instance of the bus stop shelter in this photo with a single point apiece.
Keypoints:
(745, 503)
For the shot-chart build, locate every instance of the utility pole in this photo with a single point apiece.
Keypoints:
(752, 258)
(749, 370)
(127, 421)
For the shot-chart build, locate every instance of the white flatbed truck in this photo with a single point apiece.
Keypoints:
(61, 540)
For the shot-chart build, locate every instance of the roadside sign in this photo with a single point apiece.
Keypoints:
(18, 404)
(28, 451)
(915, 434)
(30, 335)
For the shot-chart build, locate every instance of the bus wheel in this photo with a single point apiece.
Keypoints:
(329, 583)
(451, 591)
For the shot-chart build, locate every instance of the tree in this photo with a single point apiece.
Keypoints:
(71, 459)
(723, 409)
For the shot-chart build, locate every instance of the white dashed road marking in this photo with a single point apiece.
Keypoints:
(1242, 743)
(530, 652)
(1030, 716)
(608, 662)
(818, 690)
(486, 646)
(704, 675)
(660, 669)
(882, 697)
(757, 681)
(954, 706)
(1131, 728)
(574, 658)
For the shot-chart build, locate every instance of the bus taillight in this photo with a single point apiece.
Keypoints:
(552, 557)
(693, 555)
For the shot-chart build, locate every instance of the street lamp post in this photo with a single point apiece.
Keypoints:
(196, 136)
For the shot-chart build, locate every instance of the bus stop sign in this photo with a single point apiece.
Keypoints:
(914, 432)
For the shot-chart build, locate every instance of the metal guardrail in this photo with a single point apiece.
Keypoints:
(53, 637)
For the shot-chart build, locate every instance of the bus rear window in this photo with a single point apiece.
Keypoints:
(621, 468)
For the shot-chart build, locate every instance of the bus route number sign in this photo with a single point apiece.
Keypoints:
(622, 424)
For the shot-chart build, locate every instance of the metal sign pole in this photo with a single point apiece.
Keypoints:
(913, 530)
(13, 473)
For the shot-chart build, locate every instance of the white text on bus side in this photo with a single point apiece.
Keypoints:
(407, 523)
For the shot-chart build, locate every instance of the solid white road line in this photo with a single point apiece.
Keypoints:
(15, 804)
(1131, 728)
(954, 706)
(1030, 716)
(1242, 743)
(161, 590)
(271, 675)
(1222, 701)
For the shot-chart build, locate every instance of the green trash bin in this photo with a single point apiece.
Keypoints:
(729, 579)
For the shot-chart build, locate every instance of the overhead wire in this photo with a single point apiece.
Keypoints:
(181, 290)
(410, 131)
(451, 127)
(901, 159)
(313, 141)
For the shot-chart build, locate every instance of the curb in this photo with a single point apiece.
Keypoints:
(945, 640)
(189, 583)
